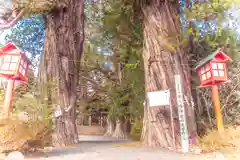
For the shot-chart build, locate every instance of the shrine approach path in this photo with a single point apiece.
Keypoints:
(102, 148)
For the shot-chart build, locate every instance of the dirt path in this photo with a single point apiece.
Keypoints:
(100, 148)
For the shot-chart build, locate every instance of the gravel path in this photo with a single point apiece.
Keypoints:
(101, 148)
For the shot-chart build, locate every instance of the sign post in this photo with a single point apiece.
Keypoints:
(162, 98)
(181, 115)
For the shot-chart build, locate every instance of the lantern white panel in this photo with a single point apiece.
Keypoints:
(25, 64)
(23, 72)
(208, 74)
(1, 60)
(214, 66)
(215, 73)
(221, 73)
(5, 66)
(21, 69)
(15, 59)
(22, 62)
(207, 67)
(220, 66)
(7, 58)
(204, 77)
(13, 66)
(202, 70)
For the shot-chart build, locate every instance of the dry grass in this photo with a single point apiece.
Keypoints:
(17, 135)
(131, 144)
(227, 141)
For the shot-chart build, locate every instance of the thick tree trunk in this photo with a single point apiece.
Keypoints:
(63, 50)
(119, 132)
(110, 128)
(126, 127)
(163, 58)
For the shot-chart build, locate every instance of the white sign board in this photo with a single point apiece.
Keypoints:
(159, 98)
(181, 115)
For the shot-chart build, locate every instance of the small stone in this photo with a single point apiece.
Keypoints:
(16, 155)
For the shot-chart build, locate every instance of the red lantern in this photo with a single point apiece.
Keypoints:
(13, 67)
(213, 69)
(13, 63)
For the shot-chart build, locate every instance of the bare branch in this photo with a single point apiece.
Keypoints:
(12, 22)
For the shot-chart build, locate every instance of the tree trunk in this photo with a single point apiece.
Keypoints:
(126, 129)
(110, 128)
(119, 132)
(163, 58)
(63, 51)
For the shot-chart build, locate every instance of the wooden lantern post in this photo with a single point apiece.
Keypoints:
(13, 67)
(8, 97)
(217, 107)
(212, 71)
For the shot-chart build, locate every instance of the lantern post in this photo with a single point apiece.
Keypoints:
(217, 107)
(13, 67)
(212, 71)
(8, 97)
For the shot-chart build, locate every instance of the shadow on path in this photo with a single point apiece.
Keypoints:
(86, 144)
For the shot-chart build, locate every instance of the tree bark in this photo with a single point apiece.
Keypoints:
(126, 127)
(119, 132)
(110, 128)
(63, 51)
(163, 58)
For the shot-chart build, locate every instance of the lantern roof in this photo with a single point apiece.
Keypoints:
(8, 47)
(218, 53)
(11, 46)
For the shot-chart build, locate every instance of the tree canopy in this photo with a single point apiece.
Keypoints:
(28, 34)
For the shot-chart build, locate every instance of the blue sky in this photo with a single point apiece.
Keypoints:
(2, 36)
